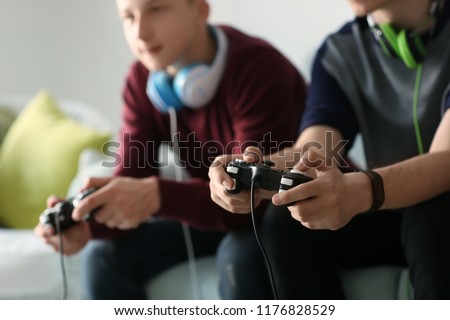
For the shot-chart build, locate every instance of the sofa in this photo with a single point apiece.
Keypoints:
(29, 269)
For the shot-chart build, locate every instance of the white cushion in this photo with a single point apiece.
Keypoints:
(176, 282)
(30, 269)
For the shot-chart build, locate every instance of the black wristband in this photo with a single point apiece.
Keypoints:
(377, 189)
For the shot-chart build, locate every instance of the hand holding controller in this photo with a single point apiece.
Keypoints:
(63, 212)
(264, 177)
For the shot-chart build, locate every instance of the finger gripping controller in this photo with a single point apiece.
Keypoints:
(264, 177)
(62, 212)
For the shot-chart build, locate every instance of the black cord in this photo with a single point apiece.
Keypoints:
(266, 259)
(61, 257)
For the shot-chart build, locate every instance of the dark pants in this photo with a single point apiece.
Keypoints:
(241, 268)
(306, 263)
(120, 269)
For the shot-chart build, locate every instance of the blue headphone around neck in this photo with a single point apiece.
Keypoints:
(194, 85)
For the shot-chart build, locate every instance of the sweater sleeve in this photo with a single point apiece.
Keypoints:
(140, 135)
(138, 140)
(190, 202)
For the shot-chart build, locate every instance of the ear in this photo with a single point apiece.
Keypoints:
(203, 10)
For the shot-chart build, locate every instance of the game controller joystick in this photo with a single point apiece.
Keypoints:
(264, 177)
(63, 212)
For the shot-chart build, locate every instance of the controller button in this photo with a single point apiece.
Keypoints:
(234, 170)
(287, 181)
(298, 171)
(234, 184)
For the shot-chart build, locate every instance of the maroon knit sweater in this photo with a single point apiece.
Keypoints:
(259, 101)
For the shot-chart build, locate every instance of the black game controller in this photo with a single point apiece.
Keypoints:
(63, 212)
(264, 177)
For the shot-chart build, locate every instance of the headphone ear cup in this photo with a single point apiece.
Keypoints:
(405, 50)
(161, 92)
(389, 41)
(192, 85)
(412, 49)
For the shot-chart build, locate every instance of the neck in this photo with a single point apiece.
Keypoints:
(202, 50)
(405, 14)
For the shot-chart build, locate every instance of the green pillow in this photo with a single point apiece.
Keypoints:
(38, 157)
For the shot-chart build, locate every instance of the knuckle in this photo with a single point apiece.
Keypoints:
(88, 181)
(333, 200)
(99, 218)
(308, 225)
(110, 224)
(88, 201)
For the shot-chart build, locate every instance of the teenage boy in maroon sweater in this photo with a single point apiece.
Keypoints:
(256, 97)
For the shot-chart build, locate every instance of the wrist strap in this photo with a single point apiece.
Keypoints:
(377, 189)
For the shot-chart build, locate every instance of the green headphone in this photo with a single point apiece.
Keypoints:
(406, 45)
(409, 48)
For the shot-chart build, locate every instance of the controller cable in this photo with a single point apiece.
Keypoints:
(415, 107)
(261, 247)
(186, 231)
(61, 257)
